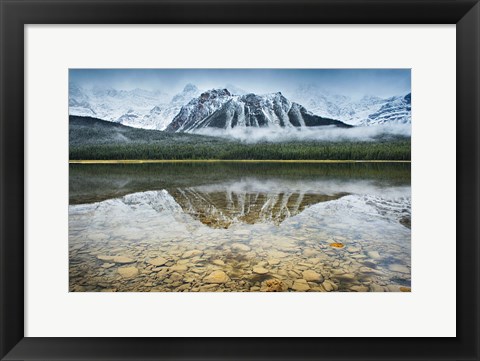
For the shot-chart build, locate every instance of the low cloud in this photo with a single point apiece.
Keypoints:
(324, 133)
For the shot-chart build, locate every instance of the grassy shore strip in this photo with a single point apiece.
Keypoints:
(149, 161)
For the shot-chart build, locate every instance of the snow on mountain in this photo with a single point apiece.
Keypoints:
(365, 111)
(397, 110)
(233, 107)
(136, 108)
(220, 109)
(198, 109)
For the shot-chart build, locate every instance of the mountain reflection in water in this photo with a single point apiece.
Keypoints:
(240, 227)
(247, 201)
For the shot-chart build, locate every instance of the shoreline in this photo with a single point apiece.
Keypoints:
(152, 161)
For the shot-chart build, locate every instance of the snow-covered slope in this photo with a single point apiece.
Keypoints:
(369, 110)
(136, 108)
(233, 107)
(397, 110)
(220, 109)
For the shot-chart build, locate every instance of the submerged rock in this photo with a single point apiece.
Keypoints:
(159, 261)
(374, 255)
(128, 272)
(260, 270)
(273, 261)
(329, 286)
(312, 276)
(300, 285)
(240, 247)
(398, 268)
(122, 259)
(179, 268)
(273, 285)
(192, 253)
(105, 258)
(216, 277)
(359, 288)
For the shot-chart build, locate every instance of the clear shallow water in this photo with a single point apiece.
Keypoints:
(240, 227)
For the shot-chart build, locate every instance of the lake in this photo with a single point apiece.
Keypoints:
(241, 227)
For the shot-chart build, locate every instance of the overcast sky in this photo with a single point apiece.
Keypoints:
(351, 82)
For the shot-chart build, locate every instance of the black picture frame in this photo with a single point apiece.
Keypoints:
(15, 14)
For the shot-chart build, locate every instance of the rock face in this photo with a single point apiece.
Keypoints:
(198, 109)
(216, 277)
(218, 108)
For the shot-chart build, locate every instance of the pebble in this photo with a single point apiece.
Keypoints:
(175, 277)
(398, 268)
(106, 258)
(122, 259)
(300, 285)
(128, 272)
(312, 276)
(240, 247)
(309, 252)
(218, 262)
(329, 286)
(374, 255)
(179, 268)
(217, 277)
(260, 270)
(376, 288)
(273, 285)
(159, 261)
(192, 253)
(359, 288)
(273, 261)
(278, 254)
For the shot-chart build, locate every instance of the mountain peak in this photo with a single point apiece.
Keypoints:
(218, 108)
(214, 93)
(189, 88)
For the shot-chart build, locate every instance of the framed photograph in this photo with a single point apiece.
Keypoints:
(239, 180)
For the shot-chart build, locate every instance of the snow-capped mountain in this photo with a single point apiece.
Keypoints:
(233, 107)
(355, 112)
(136, 108)
(397, 110)
(220, 109)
